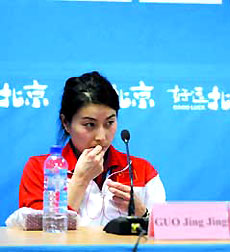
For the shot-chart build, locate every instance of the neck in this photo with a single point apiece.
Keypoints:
(76, 152)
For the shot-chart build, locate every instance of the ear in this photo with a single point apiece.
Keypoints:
(65, 124)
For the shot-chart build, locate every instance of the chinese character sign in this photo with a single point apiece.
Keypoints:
(140, 96)
(195, 99)
(29, 95)
(136, 96)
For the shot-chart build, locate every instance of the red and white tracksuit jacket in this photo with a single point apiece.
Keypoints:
(97, 206)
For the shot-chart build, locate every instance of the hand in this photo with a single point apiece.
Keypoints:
(121, 197)
(90, 163)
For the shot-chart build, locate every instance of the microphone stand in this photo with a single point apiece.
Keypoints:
(130, 225)
(131, 207)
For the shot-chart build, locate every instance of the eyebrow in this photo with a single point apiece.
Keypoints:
(93, 119)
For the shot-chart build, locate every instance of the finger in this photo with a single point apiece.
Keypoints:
(121, 203)
(93, 153)
(120, 194)
(118, 186)
(86, 151)
(97, 151)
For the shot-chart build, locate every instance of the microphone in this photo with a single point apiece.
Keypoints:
(125, 136)
(130, 225)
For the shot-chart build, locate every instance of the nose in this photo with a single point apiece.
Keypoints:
(100, 136)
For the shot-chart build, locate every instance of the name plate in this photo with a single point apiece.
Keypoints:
(190, 221)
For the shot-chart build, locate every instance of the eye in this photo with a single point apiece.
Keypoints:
(89, 124)
(110, 123)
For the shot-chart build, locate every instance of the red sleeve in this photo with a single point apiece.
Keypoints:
(150, 172)
(31, 186)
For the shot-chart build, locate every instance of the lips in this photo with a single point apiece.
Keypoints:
(104, 148)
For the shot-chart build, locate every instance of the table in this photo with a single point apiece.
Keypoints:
(95, 239)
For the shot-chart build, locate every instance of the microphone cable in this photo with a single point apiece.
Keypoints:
(142, 234)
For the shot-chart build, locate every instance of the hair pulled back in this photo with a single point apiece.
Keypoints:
(89, 88)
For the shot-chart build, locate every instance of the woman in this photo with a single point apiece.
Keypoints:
(99, 184)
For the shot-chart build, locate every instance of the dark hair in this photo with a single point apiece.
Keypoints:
(89, 88)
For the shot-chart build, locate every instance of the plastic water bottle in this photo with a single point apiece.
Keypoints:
(55, 218)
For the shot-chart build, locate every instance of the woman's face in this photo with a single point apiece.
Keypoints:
(93, 125)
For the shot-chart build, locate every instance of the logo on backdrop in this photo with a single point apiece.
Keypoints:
(182, 98)
(151, 1)
(139, 96)
(183, 1)
(185, 99)
(29, 95)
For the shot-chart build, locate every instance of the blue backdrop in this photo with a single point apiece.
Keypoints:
(168, 61)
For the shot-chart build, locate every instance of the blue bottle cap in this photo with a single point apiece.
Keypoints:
(55, 149)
